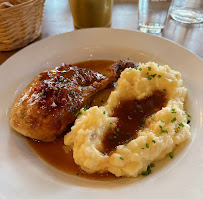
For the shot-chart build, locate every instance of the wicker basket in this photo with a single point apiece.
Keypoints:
(20, 24)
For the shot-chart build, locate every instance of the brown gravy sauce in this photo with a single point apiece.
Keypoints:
(131, 116)
(128, 124)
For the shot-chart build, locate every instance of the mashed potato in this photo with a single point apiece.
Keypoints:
(166, 129)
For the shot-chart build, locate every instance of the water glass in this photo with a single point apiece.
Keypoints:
(152, 15)
(187, 11)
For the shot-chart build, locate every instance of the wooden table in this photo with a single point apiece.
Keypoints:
(58, 19)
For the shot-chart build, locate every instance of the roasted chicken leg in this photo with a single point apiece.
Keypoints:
(52, 100)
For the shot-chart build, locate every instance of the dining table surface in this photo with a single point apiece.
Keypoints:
(58, 19)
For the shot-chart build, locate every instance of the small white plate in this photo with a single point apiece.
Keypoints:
(24, 175)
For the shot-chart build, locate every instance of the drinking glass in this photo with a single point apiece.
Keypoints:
(152, 15)
(187, 11)
(91, 13)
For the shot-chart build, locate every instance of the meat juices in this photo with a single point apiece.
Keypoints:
(50, 103)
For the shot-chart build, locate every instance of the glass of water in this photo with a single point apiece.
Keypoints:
(152, 15)
(187, 11)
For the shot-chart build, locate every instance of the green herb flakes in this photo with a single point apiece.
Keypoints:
(85, 107)
(147, 172)
(173, 110)
(173, 120)
(152, 117)
(171, 155)
(162, 131)
(152, 165)
(181, 124)
(78, 113)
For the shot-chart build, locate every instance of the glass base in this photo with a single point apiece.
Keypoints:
(151, 28)
(187, 16)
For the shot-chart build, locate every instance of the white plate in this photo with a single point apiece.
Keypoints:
(24, 175)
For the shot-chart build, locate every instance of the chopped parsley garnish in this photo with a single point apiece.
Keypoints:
(173, 120)
(143, 121)
(68, 80)
(181, 124)
(125, 144)
(140, 69)
(121, 158)
(173, 110)
(153, 75)
(61, 79)
(177, 129)
(162, 120)
(164, 89)
(104, 153)
(104, 112)
(118, 130)
(149, 68)
(39, 76)
(78, 113)
(152, 117)
(148, 77)
(154, 141)
(147, 145)
(147, 172)
(85, 107)
(188, 122)
(171, 155)
(142, 147)
(152, 165)
(159, 76)
(110, 123)
(163, 131)
(110, 137)
(73, 93)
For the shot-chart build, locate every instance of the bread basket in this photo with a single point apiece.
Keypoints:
(20, 24)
